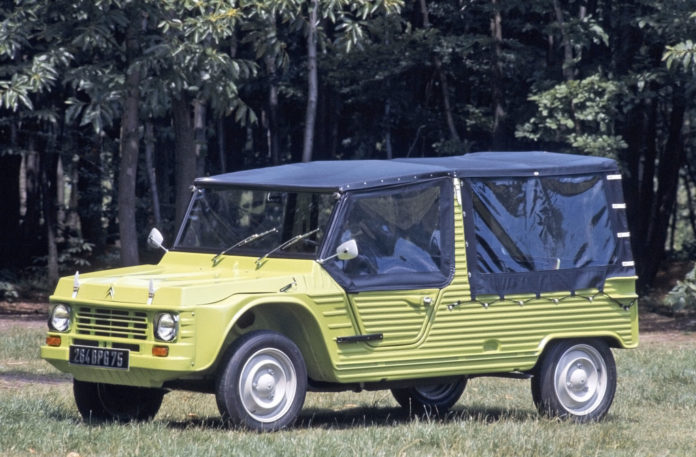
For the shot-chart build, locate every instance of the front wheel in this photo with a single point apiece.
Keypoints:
(108, 402)
(576, 379)
(262, 383)
(432, 399)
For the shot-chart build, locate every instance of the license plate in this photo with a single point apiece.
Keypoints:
(99, 357)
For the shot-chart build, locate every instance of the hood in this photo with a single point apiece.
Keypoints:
(182, 278)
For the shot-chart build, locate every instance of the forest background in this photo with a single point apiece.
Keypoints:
(110, 108)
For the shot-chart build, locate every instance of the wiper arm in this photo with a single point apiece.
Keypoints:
(246, 240)
(288, 243)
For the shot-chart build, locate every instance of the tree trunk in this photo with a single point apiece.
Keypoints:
(60, 193)
(91, 189)
(312, 82)
(568, 70)
(199, 136)
(444, 86)
(273, 137)
(500, 134)
(442, 77)
(670, 161)
(49, 208)
(72, 221)
(185, 153)
(129, 150)
(151, 172)
(49, 168)
(387, 134)
(222, 145)
(31, 229)
(689, 198)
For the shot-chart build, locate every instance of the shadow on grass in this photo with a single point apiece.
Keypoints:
(19, 378)
(366, 416)
(383, 417)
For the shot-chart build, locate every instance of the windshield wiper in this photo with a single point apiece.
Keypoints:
(288, 243)
(246, 240)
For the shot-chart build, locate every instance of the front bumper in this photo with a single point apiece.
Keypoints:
(144, 370)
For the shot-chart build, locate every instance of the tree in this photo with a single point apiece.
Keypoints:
(198, 71)
(31, 62)
(130, 139)
(349, 20)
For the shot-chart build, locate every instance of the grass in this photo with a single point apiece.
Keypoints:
(652, 415)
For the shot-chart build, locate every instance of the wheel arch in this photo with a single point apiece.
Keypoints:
(611, 339)
(291, 318)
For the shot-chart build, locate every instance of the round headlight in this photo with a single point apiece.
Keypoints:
(60, 318)
(166, 326)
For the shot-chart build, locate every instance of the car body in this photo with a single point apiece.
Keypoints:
(410, 274)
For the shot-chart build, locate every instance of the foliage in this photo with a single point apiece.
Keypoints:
(682, 297)
(8, 289)
(579, 114)
(682, 54)
(192, 56)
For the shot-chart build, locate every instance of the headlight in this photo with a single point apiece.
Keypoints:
(166, 326)
(60, 318)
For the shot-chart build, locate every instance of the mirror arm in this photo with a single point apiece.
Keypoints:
(322, 261)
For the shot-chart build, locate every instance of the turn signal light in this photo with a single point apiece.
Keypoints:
(160, 351)
(53, 340)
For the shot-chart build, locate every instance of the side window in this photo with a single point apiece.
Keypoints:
(541, 224)
(541, 234)
(400, 234)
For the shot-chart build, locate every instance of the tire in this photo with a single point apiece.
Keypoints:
(432, 399)
(262, 383)
(576, 380)
(108, 402)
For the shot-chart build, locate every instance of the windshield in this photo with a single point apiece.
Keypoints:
(221, 218)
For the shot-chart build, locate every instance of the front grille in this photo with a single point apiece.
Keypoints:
(115, 323)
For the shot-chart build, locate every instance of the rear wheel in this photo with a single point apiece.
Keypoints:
(576, 379)
(263, 382)
(108, 402)
(431, 399)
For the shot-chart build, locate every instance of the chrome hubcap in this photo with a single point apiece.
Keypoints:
(580, 379)
(267, 385)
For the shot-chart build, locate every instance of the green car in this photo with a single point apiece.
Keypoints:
(410, 274)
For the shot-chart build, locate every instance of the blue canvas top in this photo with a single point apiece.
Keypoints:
(363, 174)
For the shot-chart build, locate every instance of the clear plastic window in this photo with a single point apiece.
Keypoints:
(397, 232)
(542, 224)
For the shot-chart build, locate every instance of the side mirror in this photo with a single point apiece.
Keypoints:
(345, 251)
(155, 239)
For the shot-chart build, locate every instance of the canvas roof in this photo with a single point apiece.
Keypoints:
(362, 174)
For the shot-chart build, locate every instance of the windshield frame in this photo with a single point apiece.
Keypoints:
(252, 251)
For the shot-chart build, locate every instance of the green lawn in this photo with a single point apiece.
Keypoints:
(653, 415)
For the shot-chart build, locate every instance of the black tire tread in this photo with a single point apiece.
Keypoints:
(412, 401)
